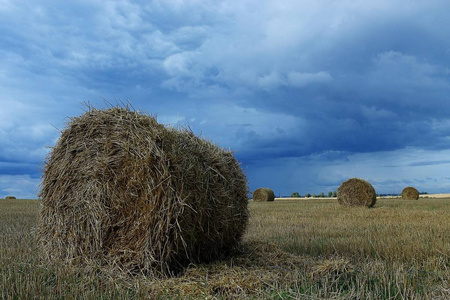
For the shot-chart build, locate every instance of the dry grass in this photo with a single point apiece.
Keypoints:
(122, 190)
(410, 193)
(356, 192)
(307, 249)
(263, 195)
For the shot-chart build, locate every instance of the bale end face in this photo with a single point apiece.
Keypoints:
(356, 192)
(263, 195)
(410, 193)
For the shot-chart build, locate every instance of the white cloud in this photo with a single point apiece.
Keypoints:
(373, 113)
(293, 79)
(394, 63)
(271, 81)
(298, 79)
(6, 5)
(237, 127)
(171, 120)
(388, 172)
(179, 64)
(20, 186)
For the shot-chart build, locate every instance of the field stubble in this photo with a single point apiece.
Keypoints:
(293, 249)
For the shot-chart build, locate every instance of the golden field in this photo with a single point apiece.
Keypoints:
(293, 249)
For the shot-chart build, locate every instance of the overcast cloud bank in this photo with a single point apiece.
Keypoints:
(307, 94)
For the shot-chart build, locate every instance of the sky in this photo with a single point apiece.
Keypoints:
(306, 93)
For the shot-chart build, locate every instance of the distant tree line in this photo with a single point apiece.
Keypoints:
(321, 195)
(334, 194)
(398, 194)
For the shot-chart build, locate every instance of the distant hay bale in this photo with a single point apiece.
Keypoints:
(120, 189)
(356, 192)
(263, 194)
(10, 198)
(410, 193)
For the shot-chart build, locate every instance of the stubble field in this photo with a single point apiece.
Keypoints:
(293, 249)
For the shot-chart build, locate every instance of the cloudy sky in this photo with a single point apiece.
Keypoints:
(306, 93)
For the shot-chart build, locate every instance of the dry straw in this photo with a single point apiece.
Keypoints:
(356, 192)
(120, 189)
(410, 193)
(263, 194)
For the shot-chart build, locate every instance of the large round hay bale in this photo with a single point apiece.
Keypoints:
(10, 198)
(119, 188)
(263, 194)
(410, 193)
(356, 192)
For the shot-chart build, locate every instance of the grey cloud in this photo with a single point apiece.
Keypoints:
(298, 79)
(429, 163)
(297, 83)
(20, 186)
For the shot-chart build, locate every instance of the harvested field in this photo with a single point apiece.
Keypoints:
(307, 249)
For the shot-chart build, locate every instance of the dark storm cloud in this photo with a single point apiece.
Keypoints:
(19, 168)
(287, 85)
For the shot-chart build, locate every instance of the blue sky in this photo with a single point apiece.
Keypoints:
(306, 93)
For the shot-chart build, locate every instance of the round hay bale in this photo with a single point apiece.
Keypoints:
(410, 193)
(119, 188)
(356, 192)
(10, 198)
(263, 194)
